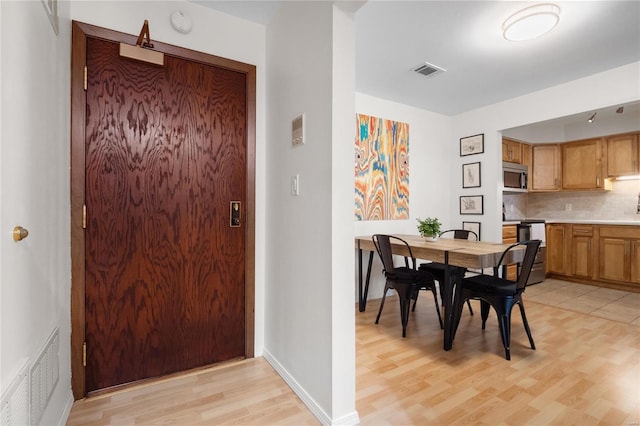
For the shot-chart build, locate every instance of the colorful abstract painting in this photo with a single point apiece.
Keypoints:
(382, 169)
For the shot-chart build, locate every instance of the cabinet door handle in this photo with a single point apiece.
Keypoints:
(597, 180)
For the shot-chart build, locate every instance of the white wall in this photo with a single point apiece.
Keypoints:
(34, 193)
(616, 86)
(429, 164)
(308, 322)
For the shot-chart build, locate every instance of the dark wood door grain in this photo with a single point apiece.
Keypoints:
(165, 155)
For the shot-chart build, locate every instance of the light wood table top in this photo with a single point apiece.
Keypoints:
(465, 253)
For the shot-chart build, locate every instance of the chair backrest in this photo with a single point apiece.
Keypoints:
(460, 234)
(383, 247)
(526, 264)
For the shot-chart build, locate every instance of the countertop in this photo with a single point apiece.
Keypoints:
(583, 221)
(596, 222)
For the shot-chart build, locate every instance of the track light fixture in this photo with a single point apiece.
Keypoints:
(592, 118)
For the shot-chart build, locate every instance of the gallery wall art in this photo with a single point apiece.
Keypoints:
(381, 169)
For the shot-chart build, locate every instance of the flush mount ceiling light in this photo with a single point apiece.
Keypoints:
(531, 22)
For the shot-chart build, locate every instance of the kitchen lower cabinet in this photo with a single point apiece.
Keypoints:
(635, 261)
(557, 250)
(620, 254)
(510, 236)
(602, 255)
(581, 251)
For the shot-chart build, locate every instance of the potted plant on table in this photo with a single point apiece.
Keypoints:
(429, 228)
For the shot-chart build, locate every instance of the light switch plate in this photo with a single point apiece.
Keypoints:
(295, 185)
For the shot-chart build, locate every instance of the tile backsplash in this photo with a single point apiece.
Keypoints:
(621, 203)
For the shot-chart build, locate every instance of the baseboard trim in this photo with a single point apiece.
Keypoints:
(350, 419)
(64, 416)
(347, 420)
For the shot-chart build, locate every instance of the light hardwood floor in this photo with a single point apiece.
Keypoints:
(586, 370)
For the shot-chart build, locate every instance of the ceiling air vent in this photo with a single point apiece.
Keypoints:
(428, 69)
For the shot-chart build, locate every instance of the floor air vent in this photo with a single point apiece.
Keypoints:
(428, 69)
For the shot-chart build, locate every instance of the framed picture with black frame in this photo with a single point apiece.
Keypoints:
(471, 204)
(471, 175)
(471, 145)
(472, 226)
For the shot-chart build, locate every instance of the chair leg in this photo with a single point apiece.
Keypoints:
(505, 333)
(469, 305)
(404, 296)
(384, 296)
(484, 312)
(415, 299)
(405, 306)
(503, 309)
(457, 312)
(526, 324)
(435, 299)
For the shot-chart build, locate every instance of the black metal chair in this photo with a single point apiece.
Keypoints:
(501, 293)
(437, 269)
(405, 280)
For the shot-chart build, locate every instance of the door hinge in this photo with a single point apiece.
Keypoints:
(84, 216)
(85, 77)
(84, 354)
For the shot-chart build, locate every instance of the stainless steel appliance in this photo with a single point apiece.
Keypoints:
(535, 230)
(515, 177)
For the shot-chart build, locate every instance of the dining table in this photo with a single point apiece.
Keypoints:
(476, 255)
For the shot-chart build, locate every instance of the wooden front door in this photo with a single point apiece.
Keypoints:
(165, 156)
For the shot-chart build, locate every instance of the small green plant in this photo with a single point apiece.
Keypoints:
(429, 227)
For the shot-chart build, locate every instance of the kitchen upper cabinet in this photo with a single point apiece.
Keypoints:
(582, 251)
(511, 151)
(547, 165)
(620, 254)
(527, 158)
(558, 248)
(622, 155)
(583, 165)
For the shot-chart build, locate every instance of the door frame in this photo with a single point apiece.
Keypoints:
(80, 33)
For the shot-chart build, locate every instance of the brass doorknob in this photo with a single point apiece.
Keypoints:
(19, 233)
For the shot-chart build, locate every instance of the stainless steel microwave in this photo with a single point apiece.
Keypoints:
(515, 176)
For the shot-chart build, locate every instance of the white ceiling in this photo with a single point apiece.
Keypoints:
(465, 38)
